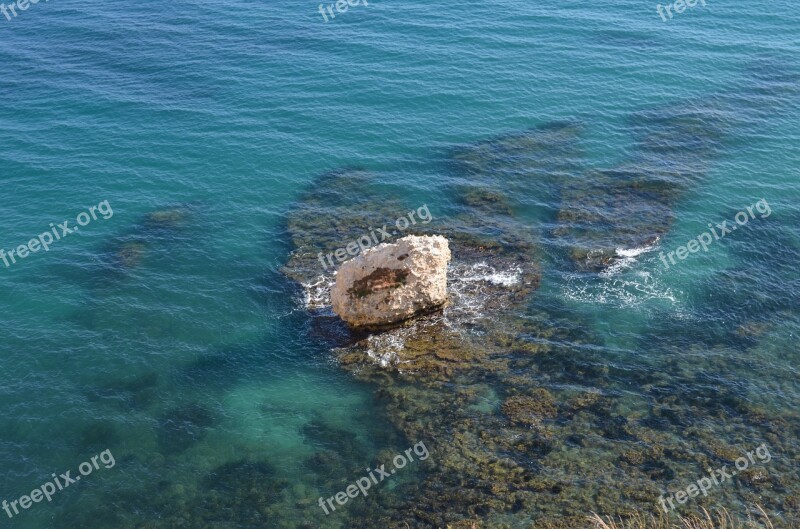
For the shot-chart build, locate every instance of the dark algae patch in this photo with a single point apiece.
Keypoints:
(379, 280)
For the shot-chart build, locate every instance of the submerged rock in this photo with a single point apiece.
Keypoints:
(130, 254)
(530, 410)
(153, 231)
(392, 282)
(608, 216)
(614, 214)
(170, 218)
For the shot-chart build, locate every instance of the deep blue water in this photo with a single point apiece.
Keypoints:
(169, 334)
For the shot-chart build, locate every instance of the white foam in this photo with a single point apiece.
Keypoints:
(389, 344)
(631, 290)
(627, 258)
(466, 290)
(635, 252)
(484, 272)
(317, 293)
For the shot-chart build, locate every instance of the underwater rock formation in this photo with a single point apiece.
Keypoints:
(530, 422)
(614, 212)
(392, 282)
(128, 250)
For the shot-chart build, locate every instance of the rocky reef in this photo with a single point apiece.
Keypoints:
(630, 207)
(528, 427)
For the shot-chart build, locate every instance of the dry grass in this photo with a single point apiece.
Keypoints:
(721, 520)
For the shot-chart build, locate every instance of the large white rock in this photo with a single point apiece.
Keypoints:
(392, 282)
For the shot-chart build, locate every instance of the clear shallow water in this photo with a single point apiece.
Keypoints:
(181, 346)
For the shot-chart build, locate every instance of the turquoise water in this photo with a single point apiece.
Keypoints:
(171, 335)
